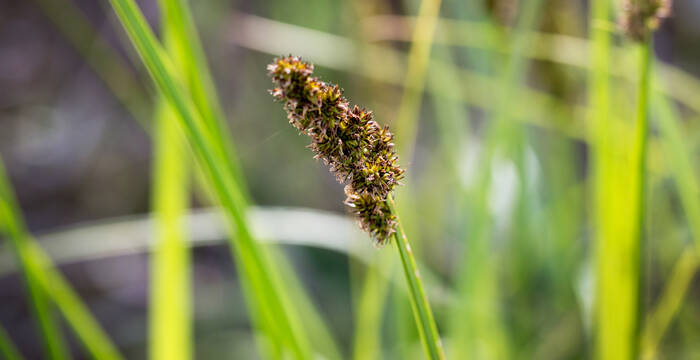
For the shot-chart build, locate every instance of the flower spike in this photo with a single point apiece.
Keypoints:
(358, 150)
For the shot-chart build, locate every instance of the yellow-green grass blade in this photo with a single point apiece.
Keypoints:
(8, 349)
(48, 280)
(418, 58)
(617, 186)
(270, 309)
(13, 227)
(186, 52)
(170, 316)
(640, 151)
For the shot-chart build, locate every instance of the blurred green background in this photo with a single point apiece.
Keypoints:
(496, 129)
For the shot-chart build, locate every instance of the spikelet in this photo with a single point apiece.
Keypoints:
(640, 18)
(356, 148)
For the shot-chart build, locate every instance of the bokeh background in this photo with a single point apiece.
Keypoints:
(75, 113)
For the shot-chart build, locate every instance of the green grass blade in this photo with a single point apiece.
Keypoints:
(617, 187)
(13, 227)
(38, 266)
(674, 144)
(640, 159)
(671, 300)
(270, 308)
(422, 313)
(170, 308)
(186, 51)
(418, 58)
(7, 347)
(107, 64)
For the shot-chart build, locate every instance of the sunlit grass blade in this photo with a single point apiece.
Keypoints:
(270, 308)
(617, 188)
(185, 50)
(8, 349)
(170, 334)
(37, 266)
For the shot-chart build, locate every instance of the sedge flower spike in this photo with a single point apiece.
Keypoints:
(357, 149)
(640, 18)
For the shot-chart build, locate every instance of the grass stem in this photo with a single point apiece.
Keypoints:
(419, 301)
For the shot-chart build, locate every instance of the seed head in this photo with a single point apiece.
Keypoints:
(641, 17)
(358, 150)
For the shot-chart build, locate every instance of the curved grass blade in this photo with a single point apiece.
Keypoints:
(37, 266)
(270, 309)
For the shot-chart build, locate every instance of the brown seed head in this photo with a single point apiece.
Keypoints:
(641, 17)
(356, 148)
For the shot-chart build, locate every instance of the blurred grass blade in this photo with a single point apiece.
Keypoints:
(406, 127)
(7, 347)
(640, 151)
(38, 267)
(107, 64)
(658, 321)
(422, 313)
(616, 182)
(12, 225)
(681, 165)
(323, 342)
(270, 309)
(418, 58)
(170, 308)
(478, 327)
(660, 318)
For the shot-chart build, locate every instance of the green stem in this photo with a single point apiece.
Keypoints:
(419, 302)
(642, 130)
